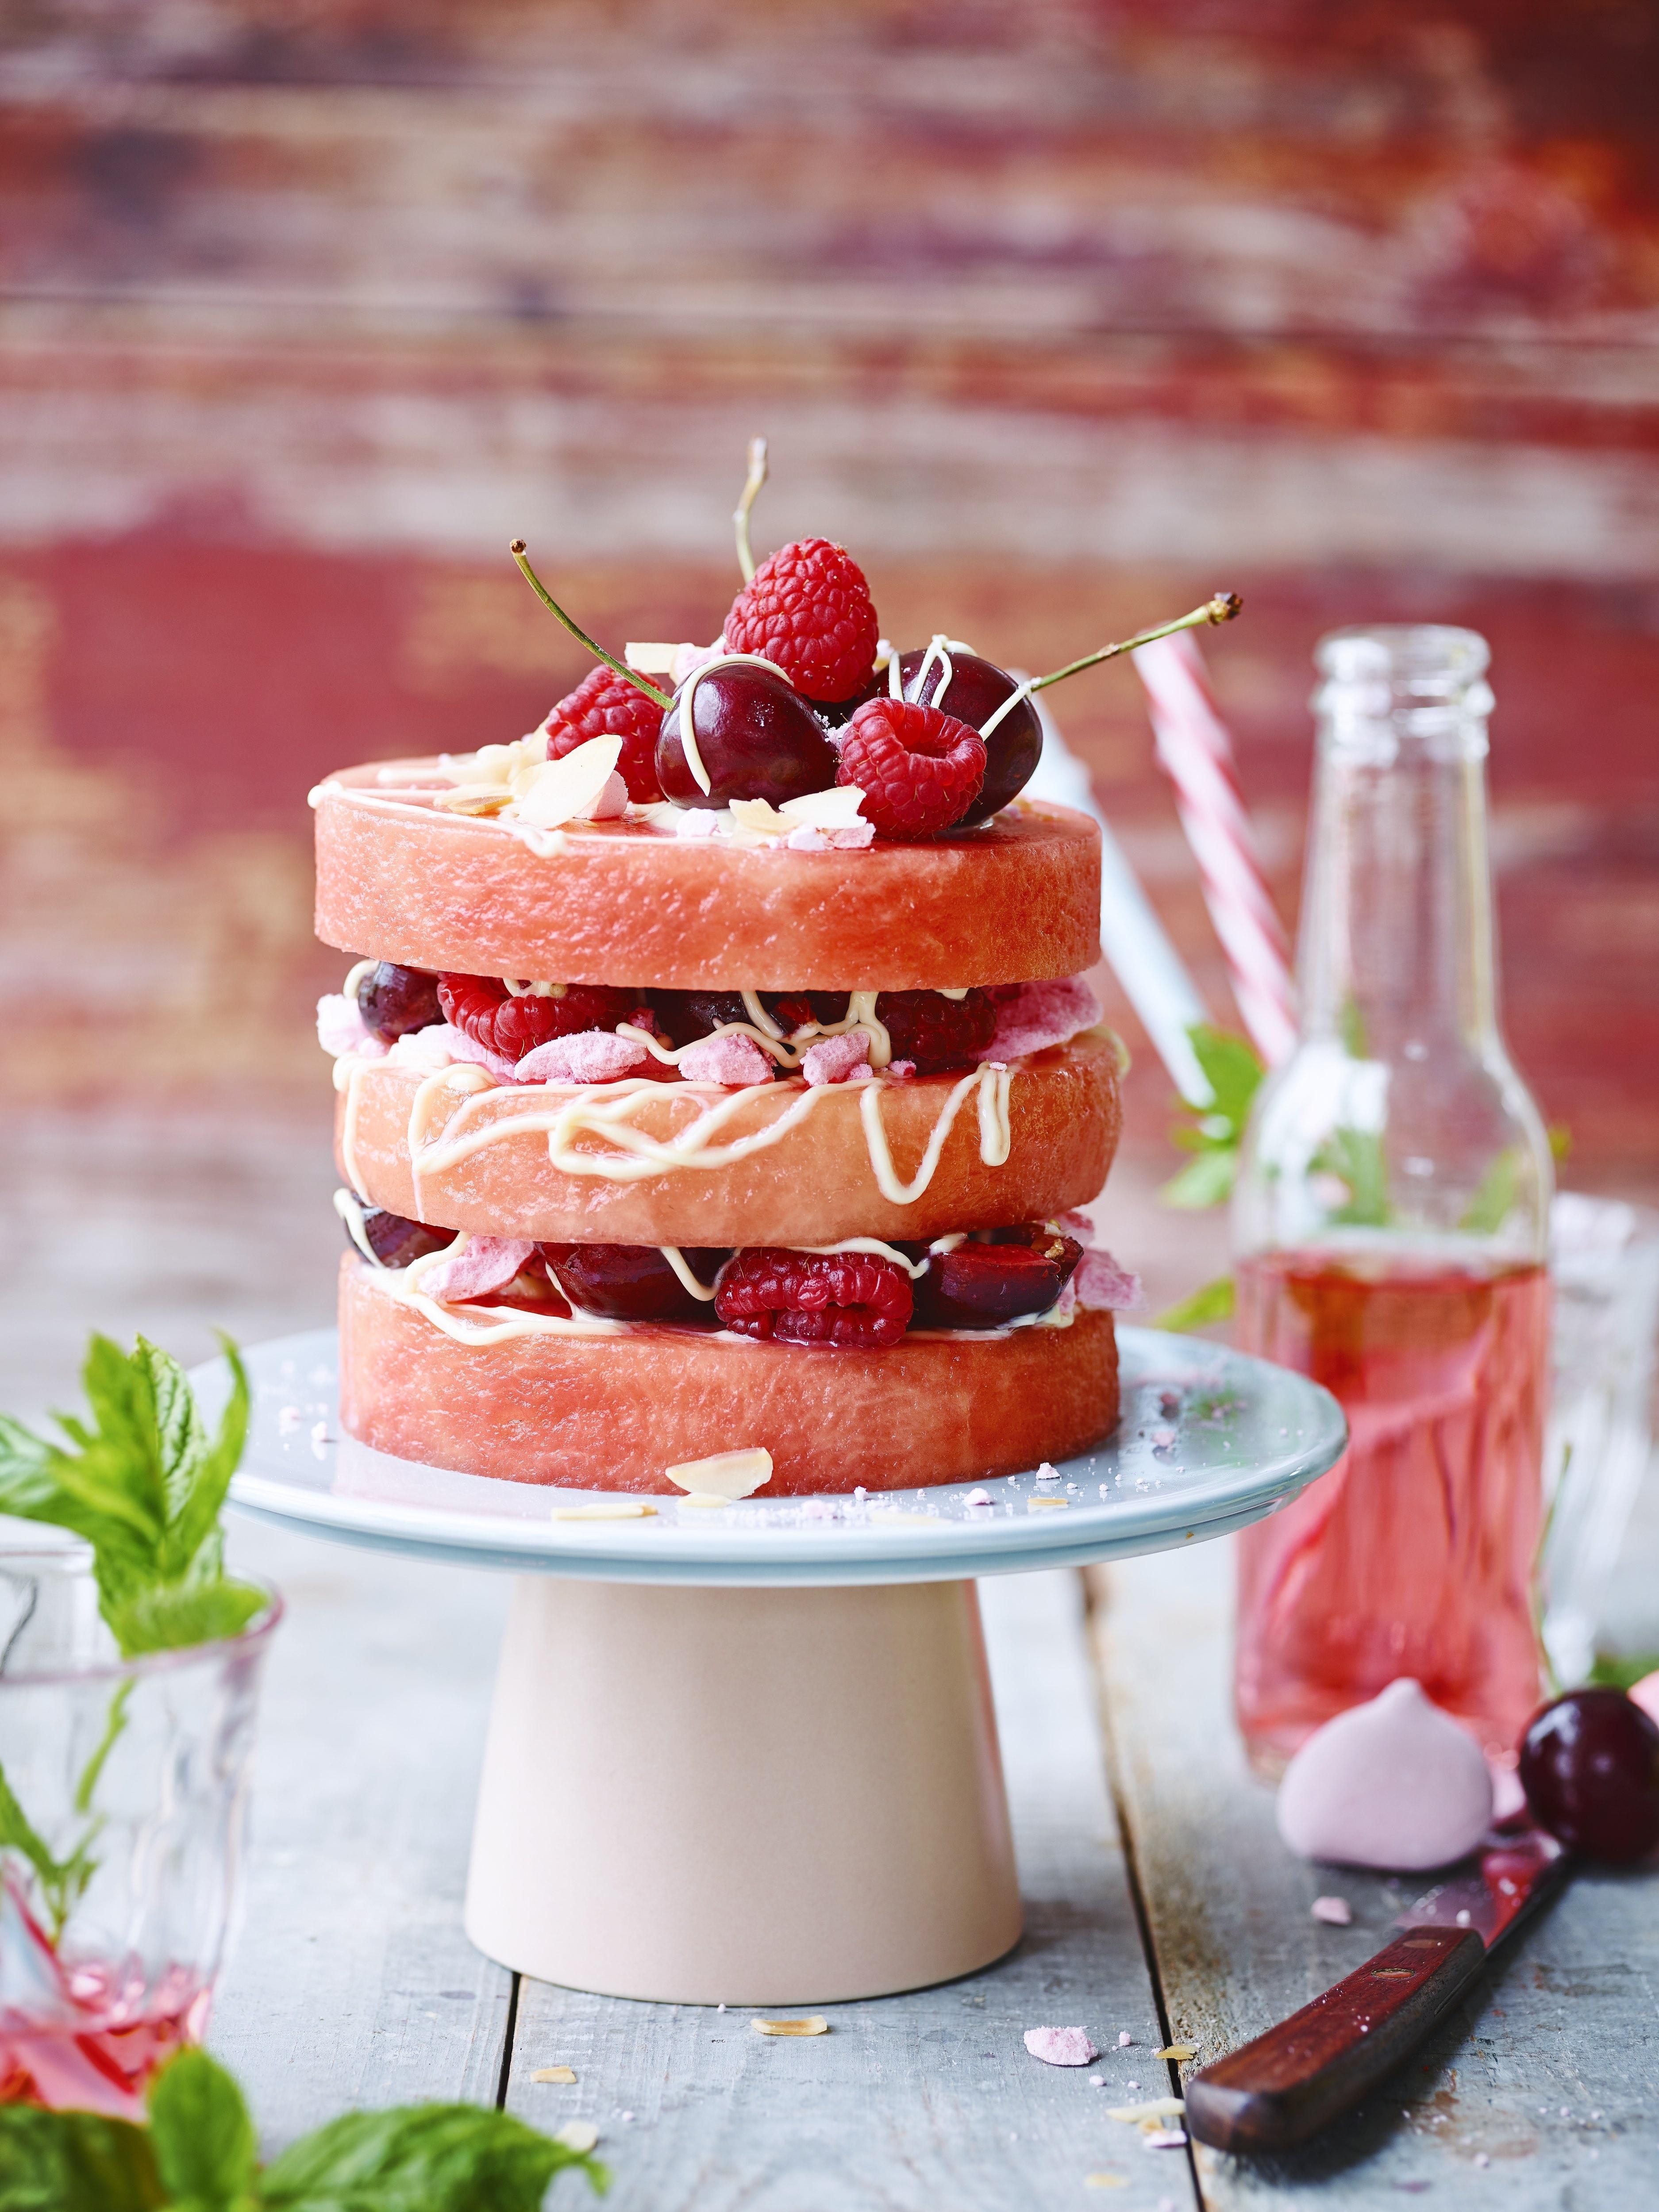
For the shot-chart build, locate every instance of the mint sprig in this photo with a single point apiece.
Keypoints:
(1214, 1132)
(199, 2153)
(143, 1487)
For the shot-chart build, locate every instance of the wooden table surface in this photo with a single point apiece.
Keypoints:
(1159, 1904)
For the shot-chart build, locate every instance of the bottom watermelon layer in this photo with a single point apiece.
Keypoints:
(613, 1412)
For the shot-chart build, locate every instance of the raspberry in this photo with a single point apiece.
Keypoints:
(935, 1032)
(919, 768)
(808, 609)
(606, 705)
(483, 1009)
(815, 1297)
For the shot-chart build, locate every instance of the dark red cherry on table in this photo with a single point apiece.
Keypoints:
(986, 1285)
(757, 738)
(976, 690)
(395, 1000)
(631, 1282)
(1589, 1766)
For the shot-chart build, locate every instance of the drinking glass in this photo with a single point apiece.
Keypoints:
(124, 1789)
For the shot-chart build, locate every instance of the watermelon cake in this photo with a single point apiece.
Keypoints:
(716, 1083)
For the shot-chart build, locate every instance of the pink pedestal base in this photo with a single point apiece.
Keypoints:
(742, 1796)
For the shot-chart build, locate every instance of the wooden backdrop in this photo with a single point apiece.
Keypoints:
(1061, 315)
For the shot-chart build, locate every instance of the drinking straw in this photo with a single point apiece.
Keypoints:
(1155, 981)
(1196, 752)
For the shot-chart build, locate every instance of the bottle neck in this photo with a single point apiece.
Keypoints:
(1395, 954)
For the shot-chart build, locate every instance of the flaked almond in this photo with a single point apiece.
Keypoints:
(834, 809)
(726, 1474)
(1180, 2051)
(620, 1509)
(1156, 2108)
(754, 818)
(570, 789)
(813, 2024)
(1047, 1504)
(554, 2073)
(705, 1500)
(1106, 2181)
(579, 2136)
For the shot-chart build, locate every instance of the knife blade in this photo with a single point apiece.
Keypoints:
(1291, 2082)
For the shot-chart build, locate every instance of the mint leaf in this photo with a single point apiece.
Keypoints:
(1494, 1193)
(206, 2150)
(145, 1488)
(1215, 1131)
(1356, 1157)
(421, 2158)
(1212, 1302)
(75, 2162)
(171, 1619)
(63, 1881)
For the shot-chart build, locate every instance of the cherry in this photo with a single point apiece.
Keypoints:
(395, 1000)
(977, 689)
(985, 1285)
(396, 1242)
(757, 737)
(631, 1282)
(935, 1032)
(684, 1017)
(1589, 1766)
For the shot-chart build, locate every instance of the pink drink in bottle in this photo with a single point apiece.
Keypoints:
(1389, 1228)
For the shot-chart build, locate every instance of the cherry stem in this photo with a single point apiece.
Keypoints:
(757, 476)
(1221, 609)
(517, 549)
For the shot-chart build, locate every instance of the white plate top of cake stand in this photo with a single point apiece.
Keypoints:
(1209, 1440)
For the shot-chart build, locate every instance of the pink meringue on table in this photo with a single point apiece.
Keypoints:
(1060, 2046)
(1645, 1694)
(1395, 1783)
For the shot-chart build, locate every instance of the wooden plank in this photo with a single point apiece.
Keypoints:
(1540, 2091)
(923, 2101)
(352, 1983)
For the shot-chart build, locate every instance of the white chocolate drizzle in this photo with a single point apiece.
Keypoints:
(676, 1259)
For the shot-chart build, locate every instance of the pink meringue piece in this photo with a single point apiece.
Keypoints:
(1103, 1286)
(1039, 1015)
(431, 1049)
(341, 1028)
(612, 802)
(461, 1047)
(483, 1263)
(1334, 1911)
(590, 1056)
(1077, 1225)
(900, 1069)
(734, 1059)
(834, 1059)
(1393, 1783)
(847, 837)
(1509, 1798)
(689, 656)
(1060, 2046)
(1645, 1694)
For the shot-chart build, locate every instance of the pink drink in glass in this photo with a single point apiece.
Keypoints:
(1414, 1555)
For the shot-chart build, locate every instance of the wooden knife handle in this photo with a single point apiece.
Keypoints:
(1287, 2083)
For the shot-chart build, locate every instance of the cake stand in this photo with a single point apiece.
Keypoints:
(747, 1755)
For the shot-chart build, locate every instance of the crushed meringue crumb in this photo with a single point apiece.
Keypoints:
(1098, 2082)
(1125, 2040)
(579, 2136)
(554, 2074)
(1048, 1473)
(1335, 1911)
(1164, 2139)
(1060, 2046)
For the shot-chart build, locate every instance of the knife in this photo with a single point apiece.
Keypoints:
(1323, 2060)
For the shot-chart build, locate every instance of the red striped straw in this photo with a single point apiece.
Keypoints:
(1196, 752)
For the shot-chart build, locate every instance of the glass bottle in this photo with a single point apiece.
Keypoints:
(1390, 1230)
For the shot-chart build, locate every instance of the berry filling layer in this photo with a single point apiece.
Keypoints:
(863, 1292)
(535, 1031)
